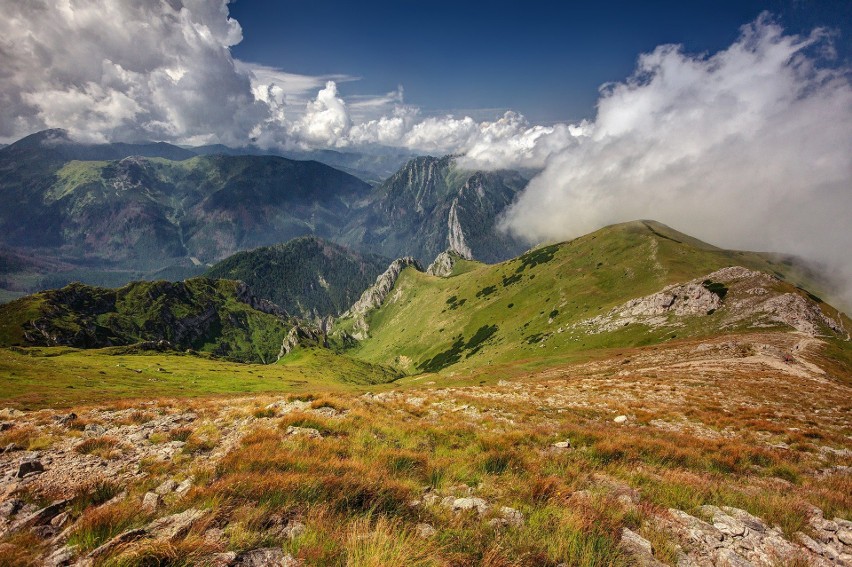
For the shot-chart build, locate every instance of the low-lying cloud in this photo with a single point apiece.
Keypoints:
(748, 148)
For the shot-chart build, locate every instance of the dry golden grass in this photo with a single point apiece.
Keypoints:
(20, 550)
(748, 438)
(104, 447)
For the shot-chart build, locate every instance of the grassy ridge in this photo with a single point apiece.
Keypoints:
(527, 305)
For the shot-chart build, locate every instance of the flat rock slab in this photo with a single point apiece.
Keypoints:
(175, 526)
(265, 557)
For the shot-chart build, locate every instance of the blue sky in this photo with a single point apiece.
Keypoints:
(543, 59)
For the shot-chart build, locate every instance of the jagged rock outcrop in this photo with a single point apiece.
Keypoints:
(735, 537)
(326, 324)
(689, 299)
(374, 296)
(456, 234)
(302, 335)
(443, 264)
(747, 296)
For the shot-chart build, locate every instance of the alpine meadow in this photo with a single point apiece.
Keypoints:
(395, 284)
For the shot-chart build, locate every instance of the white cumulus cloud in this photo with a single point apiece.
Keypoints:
(124, 70)
(749, 148)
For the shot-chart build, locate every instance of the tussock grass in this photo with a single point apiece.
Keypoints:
(202, 439)
(184, 553)
(93, 493)
(99, 446)
(20, 550)
(99, 524)
(26, 437)
(387, 543)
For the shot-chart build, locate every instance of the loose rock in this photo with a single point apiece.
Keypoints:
(28, 466)
(470, 503)
(166, 487)
(265, 557)
(306, 431)
(150, 502)
(175, 526)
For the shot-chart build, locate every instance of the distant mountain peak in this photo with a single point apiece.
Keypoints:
(432, 204)
(43, 138)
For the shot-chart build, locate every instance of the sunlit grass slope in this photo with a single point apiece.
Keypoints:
(487, 315)
(61, 377)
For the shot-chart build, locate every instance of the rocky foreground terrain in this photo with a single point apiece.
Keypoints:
(729, 451)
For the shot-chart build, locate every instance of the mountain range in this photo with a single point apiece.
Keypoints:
(430, 205)
(629, 285)
(107, 214)
(635, 369)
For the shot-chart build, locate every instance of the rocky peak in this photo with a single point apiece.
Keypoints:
(374, 295)
(754, 298)
(443, 264)
(456, 234)
(302, 334)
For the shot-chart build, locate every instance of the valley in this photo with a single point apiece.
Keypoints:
(108, 214)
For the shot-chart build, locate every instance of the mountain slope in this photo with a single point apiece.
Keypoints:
(306, 276)
(370, 167)
(152, 208)
(430, 205)
(606, 289)
(220, 317)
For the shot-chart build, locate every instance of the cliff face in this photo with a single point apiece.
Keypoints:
(444, 263)
(374, 295)
(430, 205)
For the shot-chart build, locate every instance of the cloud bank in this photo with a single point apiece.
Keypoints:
(748, 148)
(163, 70)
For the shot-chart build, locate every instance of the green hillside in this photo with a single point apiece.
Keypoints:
(306, 276)
(144, 210)
(218, 317)
(530, 309)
